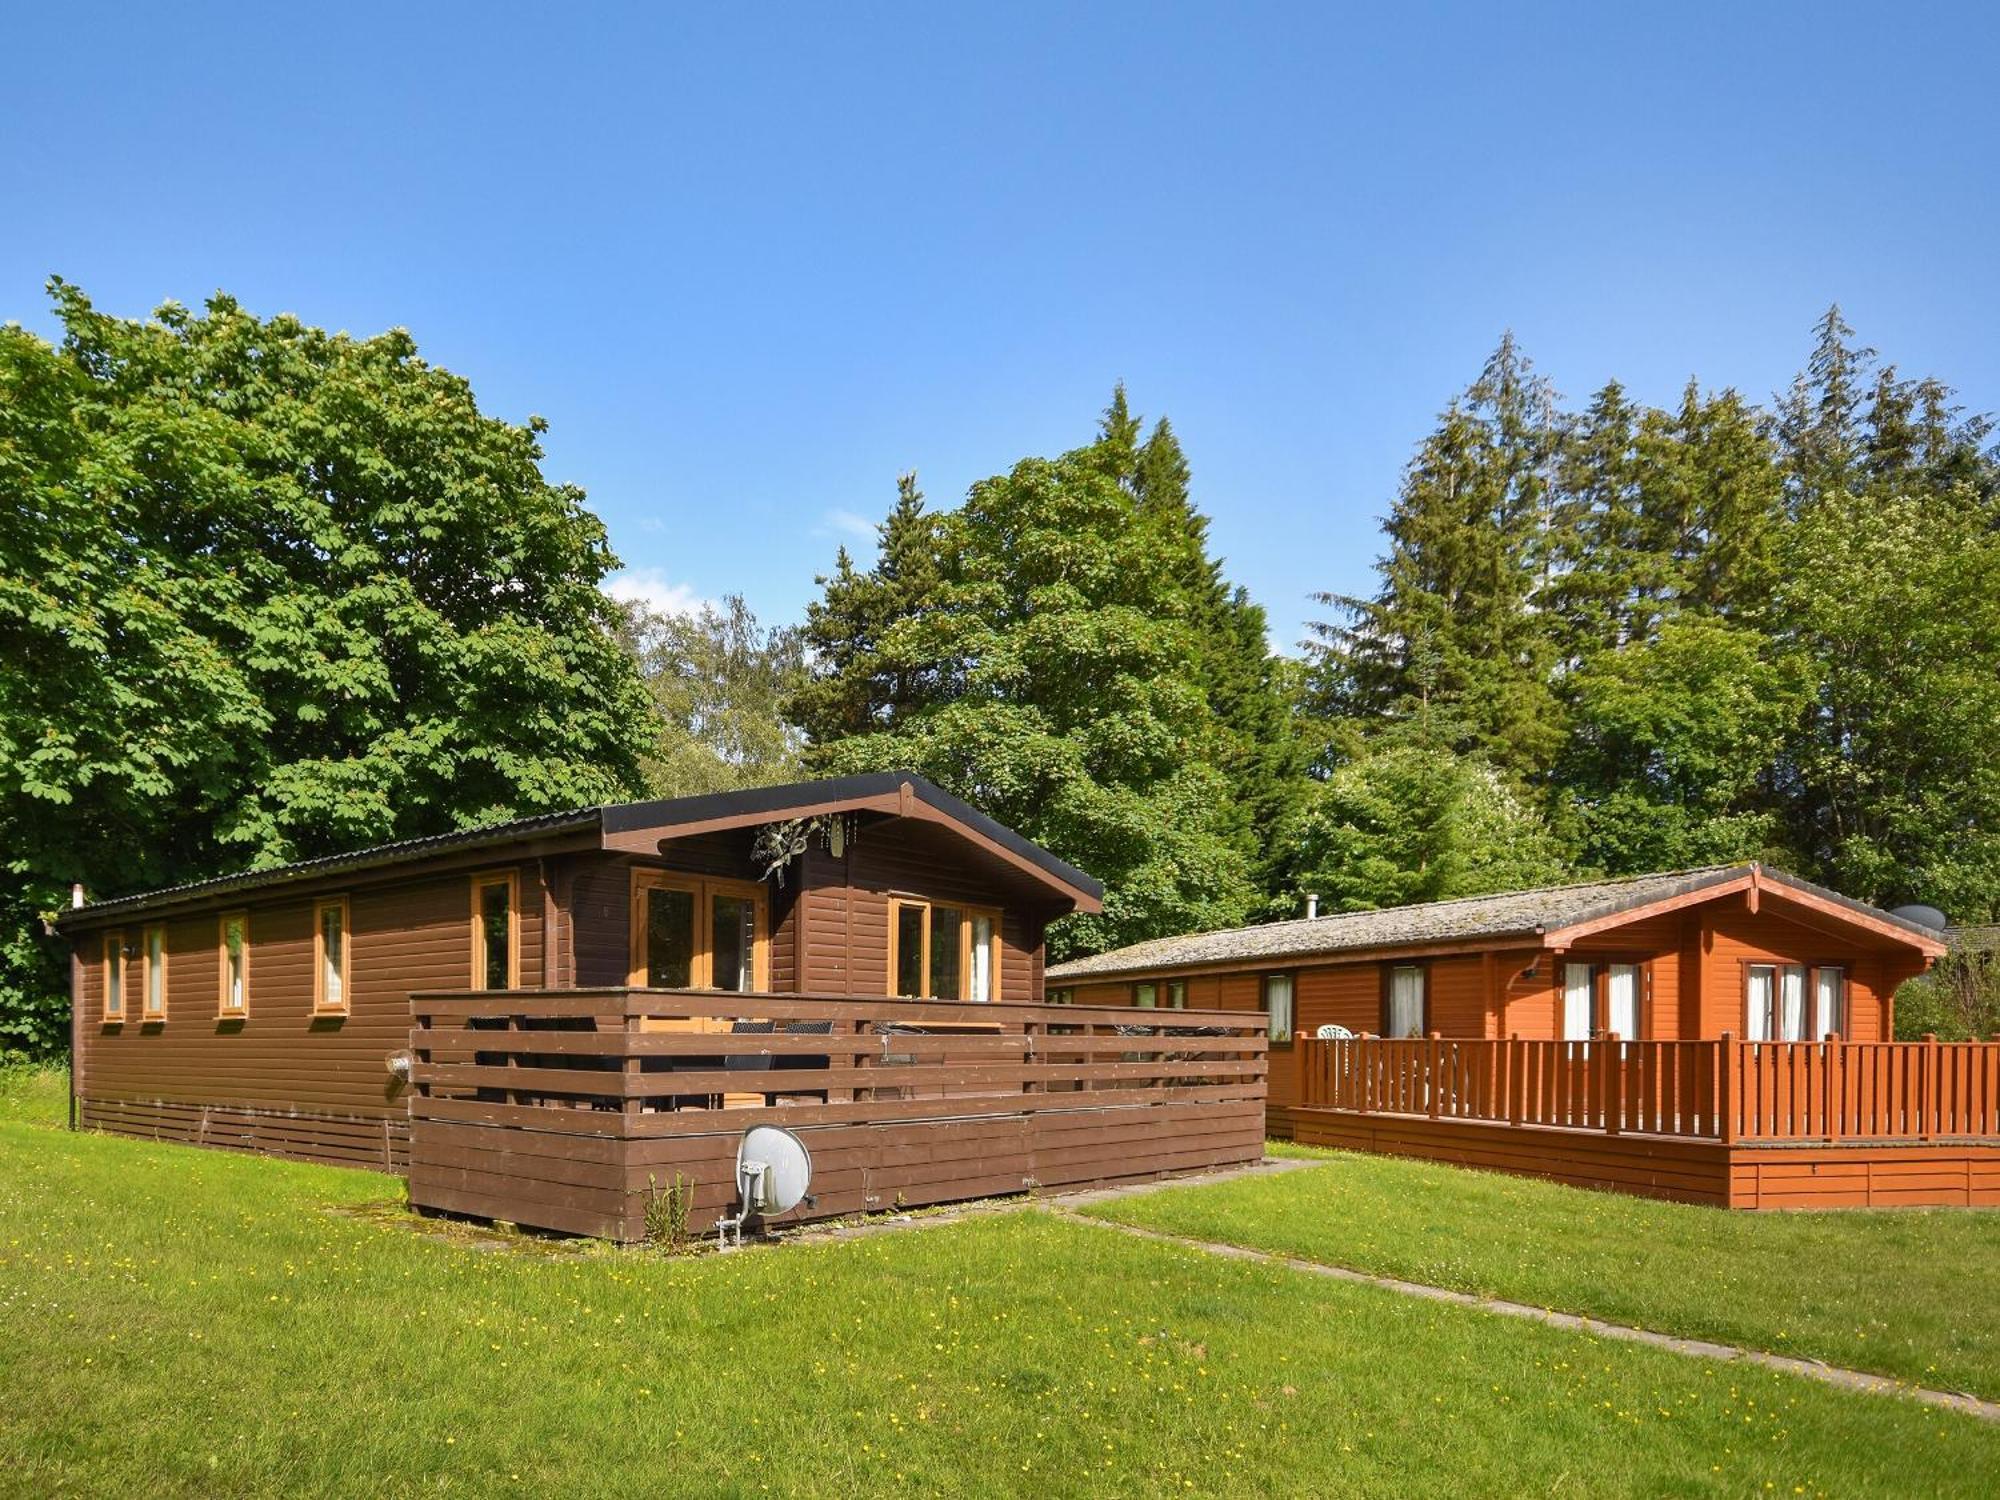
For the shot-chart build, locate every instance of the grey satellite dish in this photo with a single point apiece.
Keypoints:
(773, 1171)
(1923, 916)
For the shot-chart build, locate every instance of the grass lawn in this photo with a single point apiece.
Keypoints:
(194, 1322)
(1905, 1293)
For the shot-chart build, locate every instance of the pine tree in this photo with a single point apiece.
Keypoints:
(1454, 628)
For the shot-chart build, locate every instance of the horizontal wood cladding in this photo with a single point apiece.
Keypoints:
(1939, 1174)
(281, 1078)
(598, 1185)
(1683, 1171)
(381, 1144)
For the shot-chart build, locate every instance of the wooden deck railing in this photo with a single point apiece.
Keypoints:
(636, 1052)
(1726, 1090)
(563, 1108)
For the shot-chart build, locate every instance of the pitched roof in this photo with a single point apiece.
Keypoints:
(1528, 915)
(620, 817)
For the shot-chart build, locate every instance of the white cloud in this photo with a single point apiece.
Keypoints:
(652, 588)
(838, 522)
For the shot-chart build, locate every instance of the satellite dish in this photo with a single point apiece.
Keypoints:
(774, 1169)
(1922, 916)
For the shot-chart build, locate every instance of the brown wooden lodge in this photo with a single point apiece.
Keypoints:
(550, 1021)
(1718, 1036)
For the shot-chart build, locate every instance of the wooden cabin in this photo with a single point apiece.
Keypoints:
(1655, 1005)
(320, 1010)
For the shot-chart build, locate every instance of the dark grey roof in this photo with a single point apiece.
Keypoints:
(1983, 939)
(616, 817)
(1509, 914)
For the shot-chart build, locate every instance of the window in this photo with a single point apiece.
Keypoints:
(1278, 1006)
(1146, 996)
(1621, 1000)
(232, 943)
(1177, 994)
(1062, 997)
(154, 1007)
(943, 952)
(114, 978)
(496, 938)
(331, 994)
(1774, 1003)
(1599, 999)
(1404, 1001)
(697, 934)
(1829, 1003)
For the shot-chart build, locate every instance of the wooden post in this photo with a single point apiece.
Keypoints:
(1517, 1083)
(1927, 1088)
(1300, 1071)
(1725, 1088)
(1436, 1090)
(1613, 1094)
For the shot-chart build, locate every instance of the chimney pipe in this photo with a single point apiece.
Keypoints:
(76, 894)
(1312, 905)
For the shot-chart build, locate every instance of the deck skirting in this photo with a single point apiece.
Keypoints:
(1805, 1174)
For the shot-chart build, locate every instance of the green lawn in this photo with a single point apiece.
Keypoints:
(193, 1322)
(1906, 1293)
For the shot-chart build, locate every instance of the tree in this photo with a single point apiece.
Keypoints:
(285, 593)
(1253, 691)
(1038, 657)
(1454, 624)
(1409, 821)
(1674, 739)
(720, 683)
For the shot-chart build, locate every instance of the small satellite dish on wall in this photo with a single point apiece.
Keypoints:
(773, 1171)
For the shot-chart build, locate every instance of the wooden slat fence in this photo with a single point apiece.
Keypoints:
(909, 1101)
(1725, 1090)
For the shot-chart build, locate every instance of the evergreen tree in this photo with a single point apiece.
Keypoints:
(1455, 625)
(1052, 671)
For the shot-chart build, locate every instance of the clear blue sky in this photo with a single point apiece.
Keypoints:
(750, 268)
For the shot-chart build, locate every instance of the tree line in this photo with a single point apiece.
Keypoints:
(267, 593)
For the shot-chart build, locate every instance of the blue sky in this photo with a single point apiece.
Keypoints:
(752, 266)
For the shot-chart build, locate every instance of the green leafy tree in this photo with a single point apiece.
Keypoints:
(1669, 763)
(284, 592)
(1409, 821)
(1048, 671)
(720, 683)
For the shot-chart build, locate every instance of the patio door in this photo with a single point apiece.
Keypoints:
(1621, 1000)
(697, 934)
(1579, 1002)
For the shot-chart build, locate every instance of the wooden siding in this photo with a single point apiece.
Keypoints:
(281, 1079)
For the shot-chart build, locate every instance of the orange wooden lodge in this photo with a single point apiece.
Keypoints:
(550, 1021)
(1715, 1036)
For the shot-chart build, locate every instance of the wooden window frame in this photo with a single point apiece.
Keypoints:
(114, 966)
(966, 911)
(1138, 985)
(1291, 978)
(150, 1014)
(481, 883)
(1815, 1023)
(701, 962)
(224, 1011)
(346, 1005)
(1386, 986)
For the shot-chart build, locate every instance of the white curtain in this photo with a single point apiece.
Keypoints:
(1793, 1019)
(1406, 1001)
(1577, 1001)
(1624, 1000)
(982, 958)
(1827, 1016)
(1758, 1022)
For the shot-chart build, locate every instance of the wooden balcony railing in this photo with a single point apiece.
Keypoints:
(639, 1054)
(1725, 1090)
